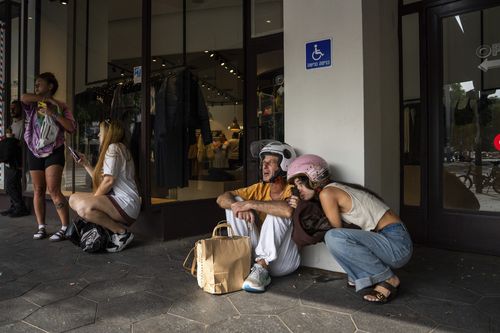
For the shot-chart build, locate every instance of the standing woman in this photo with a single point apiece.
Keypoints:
(115, 203)
(367, 255)
(46, 157)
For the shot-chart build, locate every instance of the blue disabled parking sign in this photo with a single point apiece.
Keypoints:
(319, 54)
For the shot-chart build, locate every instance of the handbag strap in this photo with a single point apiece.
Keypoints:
(220, 225)
(191, 269)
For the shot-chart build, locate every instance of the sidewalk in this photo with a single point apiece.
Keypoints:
(55, 287)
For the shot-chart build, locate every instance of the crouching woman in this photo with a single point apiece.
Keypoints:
(115, 202)
(367, 255)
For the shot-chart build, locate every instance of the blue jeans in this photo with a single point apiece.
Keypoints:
(367, 257)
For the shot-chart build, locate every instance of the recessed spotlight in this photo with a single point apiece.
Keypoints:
(212, 55)
(222, 63)
(231, 71)
(206, 51)
(64, 2)
(268, 21)
(154, 59)
(30, 18)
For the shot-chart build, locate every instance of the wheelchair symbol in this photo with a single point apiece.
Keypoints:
(317, 54)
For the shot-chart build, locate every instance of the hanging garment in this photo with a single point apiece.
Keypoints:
(180, 110)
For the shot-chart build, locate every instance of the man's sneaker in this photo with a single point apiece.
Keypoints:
(40, 234)
(119, 241)
(257, 280)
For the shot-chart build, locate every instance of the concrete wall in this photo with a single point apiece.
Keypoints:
(349, 113)
(381, 98)
(329, 100)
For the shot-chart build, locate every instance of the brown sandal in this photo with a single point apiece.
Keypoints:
(381, 298)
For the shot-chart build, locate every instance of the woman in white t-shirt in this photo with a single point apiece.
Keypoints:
(115, 202)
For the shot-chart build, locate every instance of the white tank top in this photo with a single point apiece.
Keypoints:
(366, 209)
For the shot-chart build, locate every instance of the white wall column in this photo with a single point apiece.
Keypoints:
(347, 113)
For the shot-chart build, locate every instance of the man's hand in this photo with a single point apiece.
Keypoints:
(243, 210)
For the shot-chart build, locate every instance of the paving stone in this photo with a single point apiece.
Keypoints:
(103, 327)
(448, 329)
(55, 273)
(250, 324)
(112, 271)
(491, 306)
(484, 282)
(332, 296)
(105, 290)
(268, 303)
(64, 315)
(439, 290)
(15, 289)
(132, 307)
(167, 323)
(175, 286)
(378, 318)
(204, 308)
(12, 270)
(19, 327)
(306, 319)
(294, 284)
(453, 314)
(54, 291)
(15, 309)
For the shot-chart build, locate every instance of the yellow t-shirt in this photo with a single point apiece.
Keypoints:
(261, 192)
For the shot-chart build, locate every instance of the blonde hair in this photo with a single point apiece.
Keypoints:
(113, 133)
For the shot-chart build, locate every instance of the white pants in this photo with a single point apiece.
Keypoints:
(274, 244)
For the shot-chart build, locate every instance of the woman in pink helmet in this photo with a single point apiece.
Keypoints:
(367, 255)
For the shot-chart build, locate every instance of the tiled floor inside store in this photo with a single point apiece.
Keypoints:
(55, 287)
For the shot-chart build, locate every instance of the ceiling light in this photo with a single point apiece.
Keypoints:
(206, 51)
(154, 59)
(63, 2)
(163, 64)
(122, 73)
(30, 18)
(212, 55)
(222, 63)
(268, 21)
(231, 71)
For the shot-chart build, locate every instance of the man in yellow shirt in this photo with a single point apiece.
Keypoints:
(261, 212)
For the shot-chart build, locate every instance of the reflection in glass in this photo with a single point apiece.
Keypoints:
(471, 101)
(411, 112)
(267, 17)
(106, 87)
(271, 95)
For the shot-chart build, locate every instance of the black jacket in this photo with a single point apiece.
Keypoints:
(180, 110)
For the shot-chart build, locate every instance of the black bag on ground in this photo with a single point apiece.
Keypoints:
(94, 238)
(74, 231)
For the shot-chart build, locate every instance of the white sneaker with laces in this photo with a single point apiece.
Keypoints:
(257, 280)
(119, 241)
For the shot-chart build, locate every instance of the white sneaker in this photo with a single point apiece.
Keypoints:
(119, 241)
(257, 280)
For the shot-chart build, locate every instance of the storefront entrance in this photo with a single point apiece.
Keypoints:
(451, 166)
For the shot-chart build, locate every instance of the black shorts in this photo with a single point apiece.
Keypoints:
(40, 164)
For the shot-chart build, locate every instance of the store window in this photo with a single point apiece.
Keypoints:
(108, 50)
(52, 57)
(267, 17)
(202, 158)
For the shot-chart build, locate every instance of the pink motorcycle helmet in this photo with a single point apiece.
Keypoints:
(311, 166)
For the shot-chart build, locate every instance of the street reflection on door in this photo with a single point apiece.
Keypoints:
(471, 101)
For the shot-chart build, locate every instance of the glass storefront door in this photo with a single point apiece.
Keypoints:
(464, 115)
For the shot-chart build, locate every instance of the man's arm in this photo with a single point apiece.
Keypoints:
(226, 199)
(275, 207)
